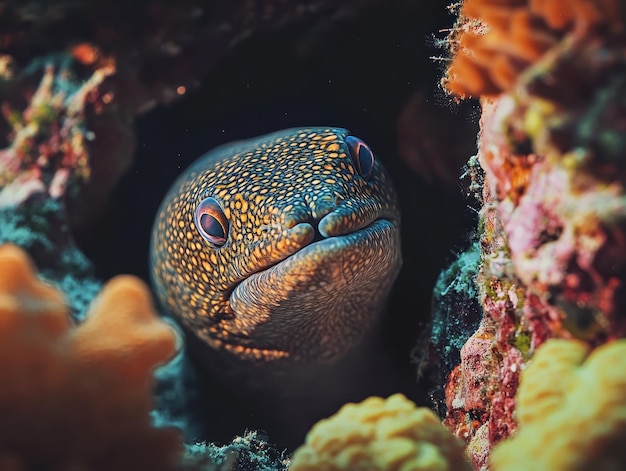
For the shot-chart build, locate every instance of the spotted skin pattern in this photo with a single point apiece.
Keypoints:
(311, 249)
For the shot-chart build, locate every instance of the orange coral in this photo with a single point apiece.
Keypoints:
(496, 40)
(79, 397)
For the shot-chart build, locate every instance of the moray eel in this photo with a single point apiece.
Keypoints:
(281, 248)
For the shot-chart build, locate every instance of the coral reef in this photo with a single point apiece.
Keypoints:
(79, 397)
(74, 76)
(64, 138)
(570, 408)
(380, 434)
(494, 42)
(48, 148)
(577, 422)
(550, 176)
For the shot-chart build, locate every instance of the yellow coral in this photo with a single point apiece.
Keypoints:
(79, 397)
(380, 434)
(571, 409)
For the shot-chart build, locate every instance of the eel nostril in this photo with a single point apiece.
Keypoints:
(312, 211)
(321, 204)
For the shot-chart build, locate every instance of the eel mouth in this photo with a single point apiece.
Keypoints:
(320, 244)
(334, 244)
(337, 280)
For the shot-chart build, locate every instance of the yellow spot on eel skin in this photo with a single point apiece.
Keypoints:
(282, 248)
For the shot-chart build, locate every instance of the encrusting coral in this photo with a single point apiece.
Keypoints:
(380, 434)
(571, 410)
(79, 397)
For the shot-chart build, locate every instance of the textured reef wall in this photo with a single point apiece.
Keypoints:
(550, 177)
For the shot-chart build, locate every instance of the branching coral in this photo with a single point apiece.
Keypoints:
(79, 397)
(495, 41)
(380, 434)
(575, 422)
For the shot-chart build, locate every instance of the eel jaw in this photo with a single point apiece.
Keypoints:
(316, 304)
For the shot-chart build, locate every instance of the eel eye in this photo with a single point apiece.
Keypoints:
(211, 222)
(362, 156)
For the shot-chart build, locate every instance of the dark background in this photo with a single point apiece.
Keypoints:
(358, 71)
